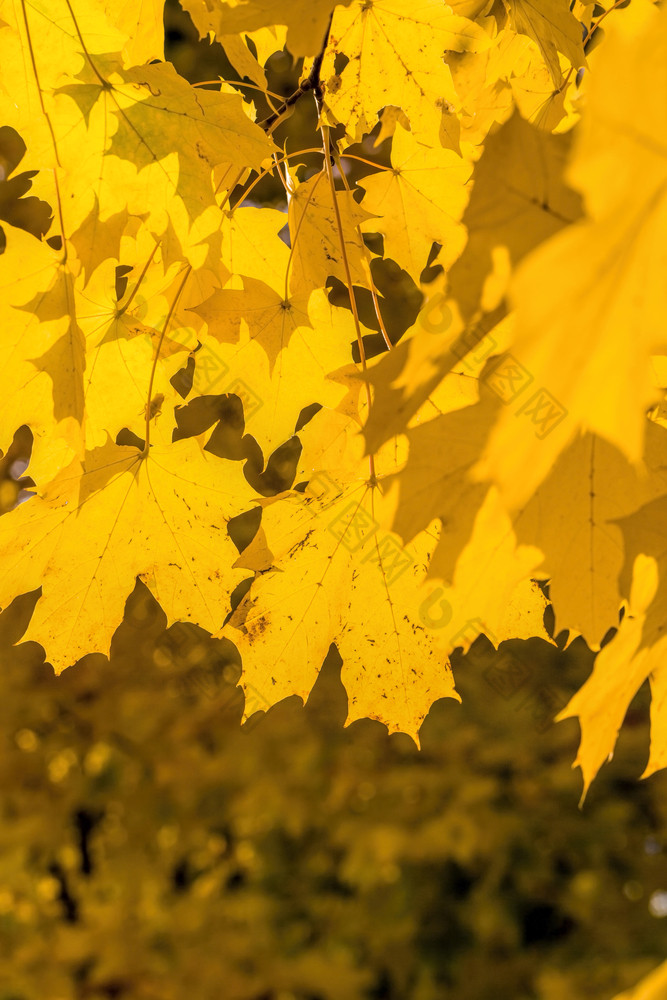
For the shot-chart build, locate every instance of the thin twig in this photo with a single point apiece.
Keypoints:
(312, 82)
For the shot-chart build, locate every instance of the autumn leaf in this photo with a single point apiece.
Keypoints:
(393, 56)
(153, 117)
(86, 539)
(46, 353)
(587, 339)
(620, 669)
(142, 22)
(553, 27)
(587, 494)
(314, 232)
(327, 573)
(519, 199)
(306, 27)
(418, 202)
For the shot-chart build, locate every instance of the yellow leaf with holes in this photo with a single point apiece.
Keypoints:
(393, 55)
(329, 572)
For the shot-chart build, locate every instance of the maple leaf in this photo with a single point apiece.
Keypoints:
(277, 383)
(51, 35)
(419, 202)
(89, 535)
(487, 576)
(269, 318)
(142, 22)
(553, 27)
(554, 110)
(315, 236)
(165, 128)
(587, 338)
(327, 573)
(394, 53)
(518, 200)
(621, 667)
(591, 488)
(306, 27)
(120, 350)
(46, 352)
(96, 241)
(442, 488)
(259, 298)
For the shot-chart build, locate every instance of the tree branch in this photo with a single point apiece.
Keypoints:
(312, 82)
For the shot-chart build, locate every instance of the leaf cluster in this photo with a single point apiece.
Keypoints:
(224, 403)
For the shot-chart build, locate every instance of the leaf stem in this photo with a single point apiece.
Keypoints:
(141, 277)
(296, 234)
(50, 126)
(239, 83)
(346, 264)
(156, 357)
(371, 284)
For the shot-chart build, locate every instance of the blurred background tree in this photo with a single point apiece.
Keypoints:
(152, 847)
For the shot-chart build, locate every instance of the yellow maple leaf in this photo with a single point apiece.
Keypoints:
(554, 29)
(306, 25)
(586, 338)
(327, 572)
(45, 356)
(621, 667)
(574, 518)
(487, 575)
(492, 590)
(269, 318)
(93, 531)
(418, 202)
(49, 33)
(155, 119)
(315, 236)
(275, 385)
(553, 110)
(395, 52)
(142, 21)
(518, 200)
(435, 481)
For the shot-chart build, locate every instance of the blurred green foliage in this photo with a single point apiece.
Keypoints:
(152, 847)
